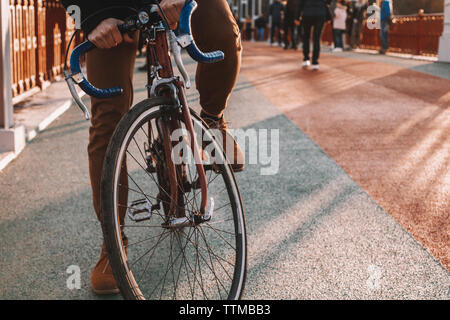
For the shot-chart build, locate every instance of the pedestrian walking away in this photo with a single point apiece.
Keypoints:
(290, 25)
(359, 14)
(260, 25)
(276, 12)
(237, 19)
(248, 28)
(313, 14)
(348, 22)
(340, 16)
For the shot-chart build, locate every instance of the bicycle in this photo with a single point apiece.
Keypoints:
(177, 230)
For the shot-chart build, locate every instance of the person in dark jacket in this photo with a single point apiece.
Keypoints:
(249, 26)
(349, 20)
(289, 24)
(260, 25)
(276, 11)
(359, 14)
(238, 20)
(112, 64)
(313, 15)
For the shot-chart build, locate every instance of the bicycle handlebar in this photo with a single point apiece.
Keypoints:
(83, 83)
(184, 29)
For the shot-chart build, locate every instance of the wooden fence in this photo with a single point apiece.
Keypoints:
(40, 32)
(417, 35)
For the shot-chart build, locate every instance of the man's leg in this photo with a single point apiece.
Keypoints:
(272, 33)
(261, 34)
(318, 26)
(280, 39)
(353, 36)
(306, 37)
(335, 39)
(108, 68)
(384, 36)
(358, 33)
(286, 34)
(214, 28)
(293, 35)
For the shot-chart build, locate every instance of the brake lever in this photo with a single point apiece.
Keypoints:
(175, 49)
(73, 91)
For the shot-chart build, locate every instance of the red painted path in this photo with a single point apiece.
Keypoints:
(387, 126)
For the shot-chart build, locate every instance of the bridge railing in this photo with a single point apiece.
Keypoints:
(39, 32)
(418, 34)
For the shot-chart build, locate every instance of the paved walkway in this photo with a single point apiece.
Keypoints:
(384, 120)
(314, 230)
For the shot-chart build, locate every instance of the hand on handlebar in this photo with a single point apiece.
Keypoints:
(106, 35)
(172, 10)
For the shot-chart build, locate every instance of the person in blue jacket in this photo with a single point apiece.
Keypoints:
(385, 20)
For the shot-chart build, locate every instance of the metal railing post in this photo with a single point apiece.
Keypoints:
(419, 32)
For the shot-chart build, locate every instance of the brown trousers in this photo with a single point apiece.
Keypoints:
(214, 28)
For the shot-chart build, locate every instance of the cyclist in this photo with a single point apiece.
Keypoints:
(112, 64)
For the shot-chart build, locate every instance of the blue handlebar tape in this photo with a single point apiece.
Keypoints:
(184, 27)
(85, 85)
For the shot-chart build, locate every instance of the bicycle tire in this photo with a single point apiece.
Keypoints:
(140, 113)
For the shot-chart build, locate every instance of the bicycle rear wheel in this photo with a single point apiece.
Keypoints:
(193, 261)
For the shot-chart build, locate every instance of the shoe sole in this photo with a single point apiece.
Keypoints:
(106, 292)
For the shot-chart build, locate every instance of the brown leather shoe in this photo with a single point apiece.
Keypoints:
(102, 279)
(235, 155)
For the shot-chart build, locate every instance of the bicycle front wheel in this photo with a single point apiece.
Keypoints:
(150, 260)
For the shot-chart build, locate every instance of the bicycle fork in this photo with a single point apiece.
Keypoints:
(175, 176)
(179, 96)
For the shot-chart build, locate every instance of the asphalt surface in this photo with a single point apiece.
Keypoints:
(313, 232)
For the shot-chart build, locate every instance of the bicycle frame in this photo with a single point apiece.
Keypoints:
(161, 79)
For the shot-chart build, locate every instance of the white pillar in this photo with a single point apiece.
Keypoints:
(12, 137)
(444, 42)
(6, 114)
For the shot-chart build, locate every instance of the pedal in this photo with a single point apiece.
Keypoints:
(140, 210)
